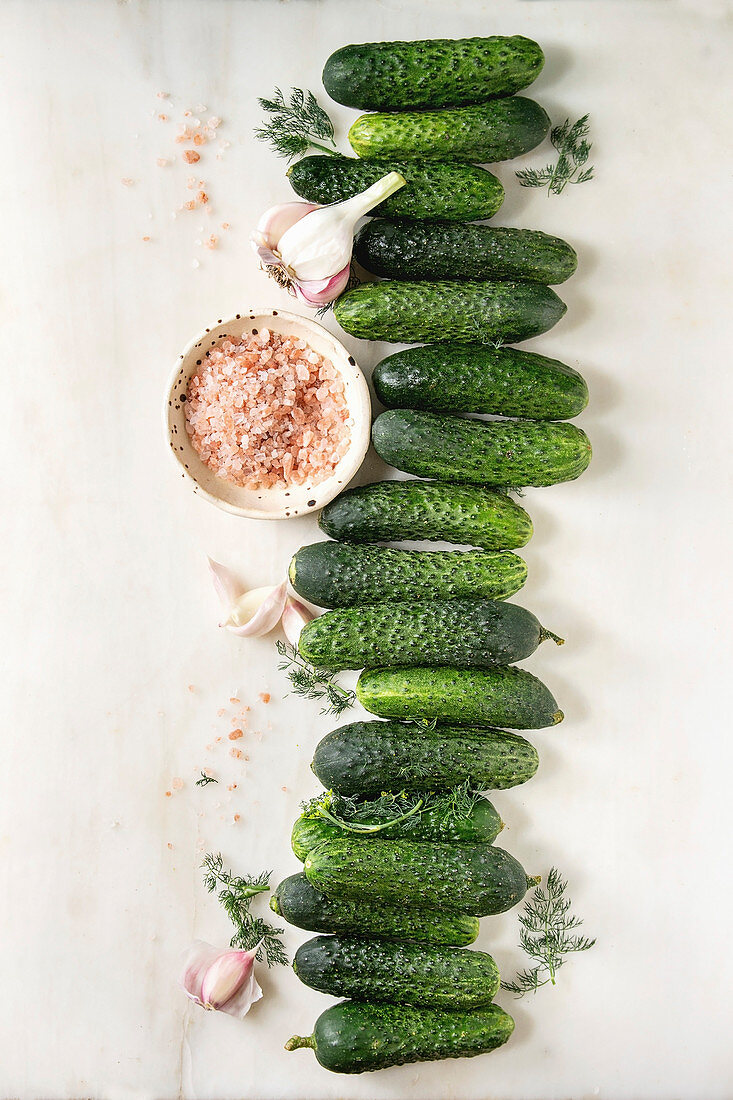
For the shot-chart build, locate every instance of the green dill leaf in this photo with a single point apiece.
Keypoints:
(205, 780)
(295, 124)
(314, 683)
(573, 151)
(236, 892)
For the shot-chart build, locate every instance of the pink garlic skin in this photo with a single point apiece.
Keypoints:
(220, 980)
(266, 603)
(265, 239)
(294, 618)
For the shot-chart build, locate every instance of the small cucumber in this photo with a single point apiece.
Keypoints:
(393, 510)
(435, 72)
(356, 1037)
(464, 696)
(499, 130)
(473, 378)
(502, 453)
(300, 904)
(400, 973)
(332, 574)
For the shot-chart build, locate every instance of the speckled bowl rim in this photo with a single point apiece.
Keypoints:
(298, 500)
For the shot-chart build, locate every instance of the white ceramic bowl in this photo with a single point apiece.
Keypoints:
(268, 503)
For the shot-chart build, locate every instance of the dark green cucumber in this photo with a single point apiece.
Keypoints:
(399, 973)
(424, 250)
(393, 510)
(299, 903)
(463, 633)
(477, 879)
(499, 130)
(437, 821)
(356, 1037)
(365, 758)
(436, 72)
(474, 378)
(434, 190)
(502, 453)
(465, 696)
(423, 312)
(332, 574)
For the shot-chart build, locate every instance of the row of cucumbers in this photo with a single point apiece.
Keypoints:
(398, 852)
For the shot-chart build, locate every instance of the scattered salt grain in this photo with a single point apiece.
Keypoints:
(236, 734)
(126, 181)
(191, 156)
(195, 264)
(177, 783)
(265, 696)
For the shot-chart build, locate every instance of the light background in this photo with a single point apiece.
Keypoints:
(110, 615)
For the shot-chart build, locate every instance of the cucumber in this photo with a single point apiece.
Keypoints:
(355, 1037)
(465, 696)
(463, 633)
(473, 378)
(502, 453)
(393, 510)
(490, 132)
(400, 973)
(422, 312)
(333, 575)
(302, 905)
(364, 758)
(436, 72)
(424, 250)
(443, 191)
(477, 879)
(439, 820)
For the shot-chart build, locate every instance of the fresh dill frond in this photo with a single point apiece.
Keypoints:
(573, 149)
(390, 810)
(205, 780)
(546, 935)
(314, 683)
(296, 124)
(235, 892)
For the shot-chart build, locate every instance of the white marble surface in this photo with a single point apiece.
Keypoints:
(109, 615)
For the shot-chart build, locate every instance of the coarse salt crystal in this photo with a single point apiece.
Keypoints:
(191, 156)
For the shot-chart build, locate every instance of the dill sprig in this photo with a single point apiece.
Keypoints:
(205, 780)
(295, 125)
(573, 150)
(390, 810)
(546, 935)
(314, 683)
(236, 896)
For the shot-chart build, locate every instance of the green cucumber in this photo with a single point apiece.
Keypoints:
(392, 510)
(424, 250)
(434, 190)
(499, 130)
(464, 696)
(463, 633)
(300, 904)
(332, 574)
(436, 72)
(364, 758)
(439, 820)
(477, 879)
(356, 1037)
(501, 453)
(400, 973)
(422, 312)
(474, 378)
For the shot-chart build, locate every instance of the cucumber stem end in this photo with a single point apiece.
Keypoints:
(297, 1041)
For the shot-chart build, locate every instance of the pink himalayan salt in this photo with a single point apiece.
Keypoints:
(267, 411)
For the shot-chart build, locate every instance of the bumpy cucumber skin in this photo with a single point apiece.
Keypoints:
(423, 250)
(437, 72)
(501, 453)
(475, 378)
(433, 313)
(435, 191)
(356, 1037)
(478, 879)
(482, 826)
(499, 130)
(365, 758)
(371, 970)
(333, 575)
(467, 697)
(413, 510)
(463, 633)
(301, 905)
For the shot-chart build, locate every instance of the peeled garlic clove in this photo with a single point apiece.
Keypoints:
(256, 612)
(221, 980)
(294, 618)
(228, 588)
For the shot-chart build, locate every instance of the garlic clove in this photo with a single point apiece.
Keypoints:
(196, 961)
(221, 980)
(256, 612)
(228, 588)
(294, 618)
(318, 292)
(278, 219)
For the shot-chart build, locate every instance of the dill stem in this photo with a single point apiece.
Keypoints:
(323, 148)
